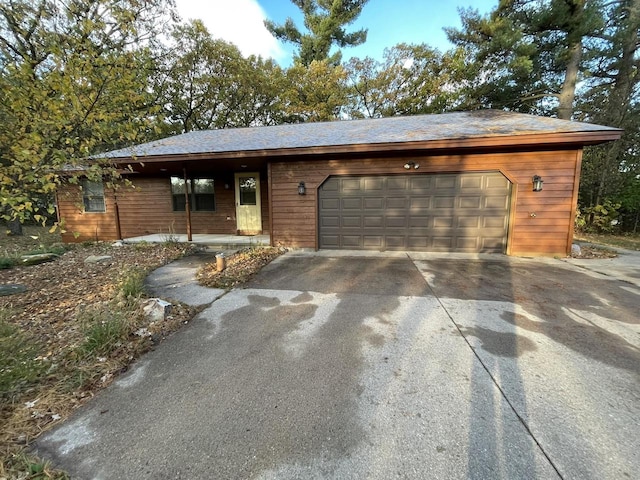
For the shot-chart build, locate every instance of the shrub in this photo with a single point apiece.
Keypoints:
(7, 262)
(599, 218)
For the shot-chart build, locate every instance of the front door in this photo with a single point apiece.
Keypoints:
(248, 212)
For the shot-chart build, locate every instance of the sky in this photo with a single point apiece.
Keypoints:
(389, 22)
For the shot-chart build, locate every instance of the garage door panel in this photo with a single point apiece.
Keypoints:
(443, 222)
(372, 184)
(496, 182)
(330, 241)
(397, 202)
(420, 203)
(444, 202)
(351, 184)
(352, 222)
(352, 203)
(445, 243)
(397, 183)
(493, 222)
(471, 182)
(470, 202)
(327, 204)
(467, 243)
(445, 182)
(395, 241)
(424, 212)
(373, 221)
(416, 221)
(497, 202)
(373, 203)
(331, 185)
(373, 241)
(468, 222)
(396, 222)
(351, 241)
(420, 184)
(330, 221)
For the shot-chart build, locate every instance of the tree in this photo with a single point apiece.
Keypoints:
(612, 98)
(73, 78)
(412, 79)
(206, 83)
(527, 53)
(315, 93)
(325, 21)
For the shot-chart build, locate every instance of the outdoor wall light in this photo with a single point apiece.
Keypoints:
(410, 165)
(302, 189)
(537, 183)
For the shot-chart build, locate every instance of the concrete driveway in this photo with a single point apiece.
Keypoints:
(381, 366)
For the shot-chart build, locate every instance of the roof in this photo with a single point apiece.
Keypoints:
(447, 127)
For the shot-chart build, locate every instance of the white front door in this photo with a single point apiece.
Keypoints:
(248, 211)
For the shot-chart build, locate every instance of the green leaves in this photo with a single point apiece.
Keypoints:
(325, 21)
(72, 83)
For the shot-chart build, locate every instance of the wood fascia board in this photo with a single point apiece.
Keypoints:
(562, 140)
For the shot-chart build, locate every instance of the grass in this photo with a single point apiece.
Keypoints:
(630, 242)
(20, 366)
(105, 328)
(131, 284)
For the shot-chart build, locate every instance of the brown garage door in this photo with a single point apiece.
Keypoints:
(465, 212)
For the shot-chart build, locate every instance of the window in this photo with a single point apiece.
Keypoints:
(247, 190)
(93, 196)
(201, 194)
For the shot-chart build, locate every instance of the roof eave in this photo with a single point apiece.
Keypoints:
(561, 140)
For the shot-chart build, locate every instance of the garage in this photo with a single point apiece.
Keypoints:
(452, 212)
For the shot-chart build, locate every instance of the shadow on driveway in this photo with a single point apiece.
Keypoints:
(377, 367)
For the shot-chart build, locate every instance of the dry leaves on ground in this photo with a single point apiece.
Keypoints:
(50, 365)
(593, 252)
(240, 267)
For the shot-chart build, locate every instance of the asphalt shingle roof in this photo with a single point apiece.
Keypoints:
(418, 128)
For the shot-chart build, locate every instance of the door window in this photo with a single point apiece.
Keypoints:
(247, 190)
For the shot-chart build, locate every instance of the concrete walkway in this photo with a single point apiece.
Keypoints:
(379, 366)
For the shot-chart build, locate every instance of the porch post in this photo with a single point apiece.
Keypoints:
(116, 211)
(187, 204)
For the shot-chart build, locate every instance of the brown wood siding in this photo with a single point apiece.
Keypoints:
(147, 209)
(548, 232)
(81, 226)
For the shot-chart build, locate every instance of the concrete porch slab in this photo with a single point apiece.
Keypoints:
(222, 242)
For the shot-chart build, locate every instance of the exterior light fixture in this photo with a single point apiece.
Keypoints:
(302, 189)
(537, 183)
(410, 165)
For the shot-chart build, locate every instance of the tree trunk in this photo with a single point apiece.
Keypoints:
(568, 92)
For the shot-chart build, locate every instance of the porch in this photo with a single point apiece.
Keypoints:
(222, 242)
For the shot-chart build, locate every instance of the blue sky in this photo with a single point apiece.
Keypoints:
(389, 22)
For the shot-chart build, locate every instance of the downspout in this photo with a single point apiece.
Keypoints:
(187, 204)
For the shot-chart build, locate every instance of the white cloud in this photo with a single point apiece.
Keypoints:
(238, 21)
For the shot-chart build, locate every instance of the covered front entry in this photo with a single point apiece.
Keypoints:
(453, 212)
